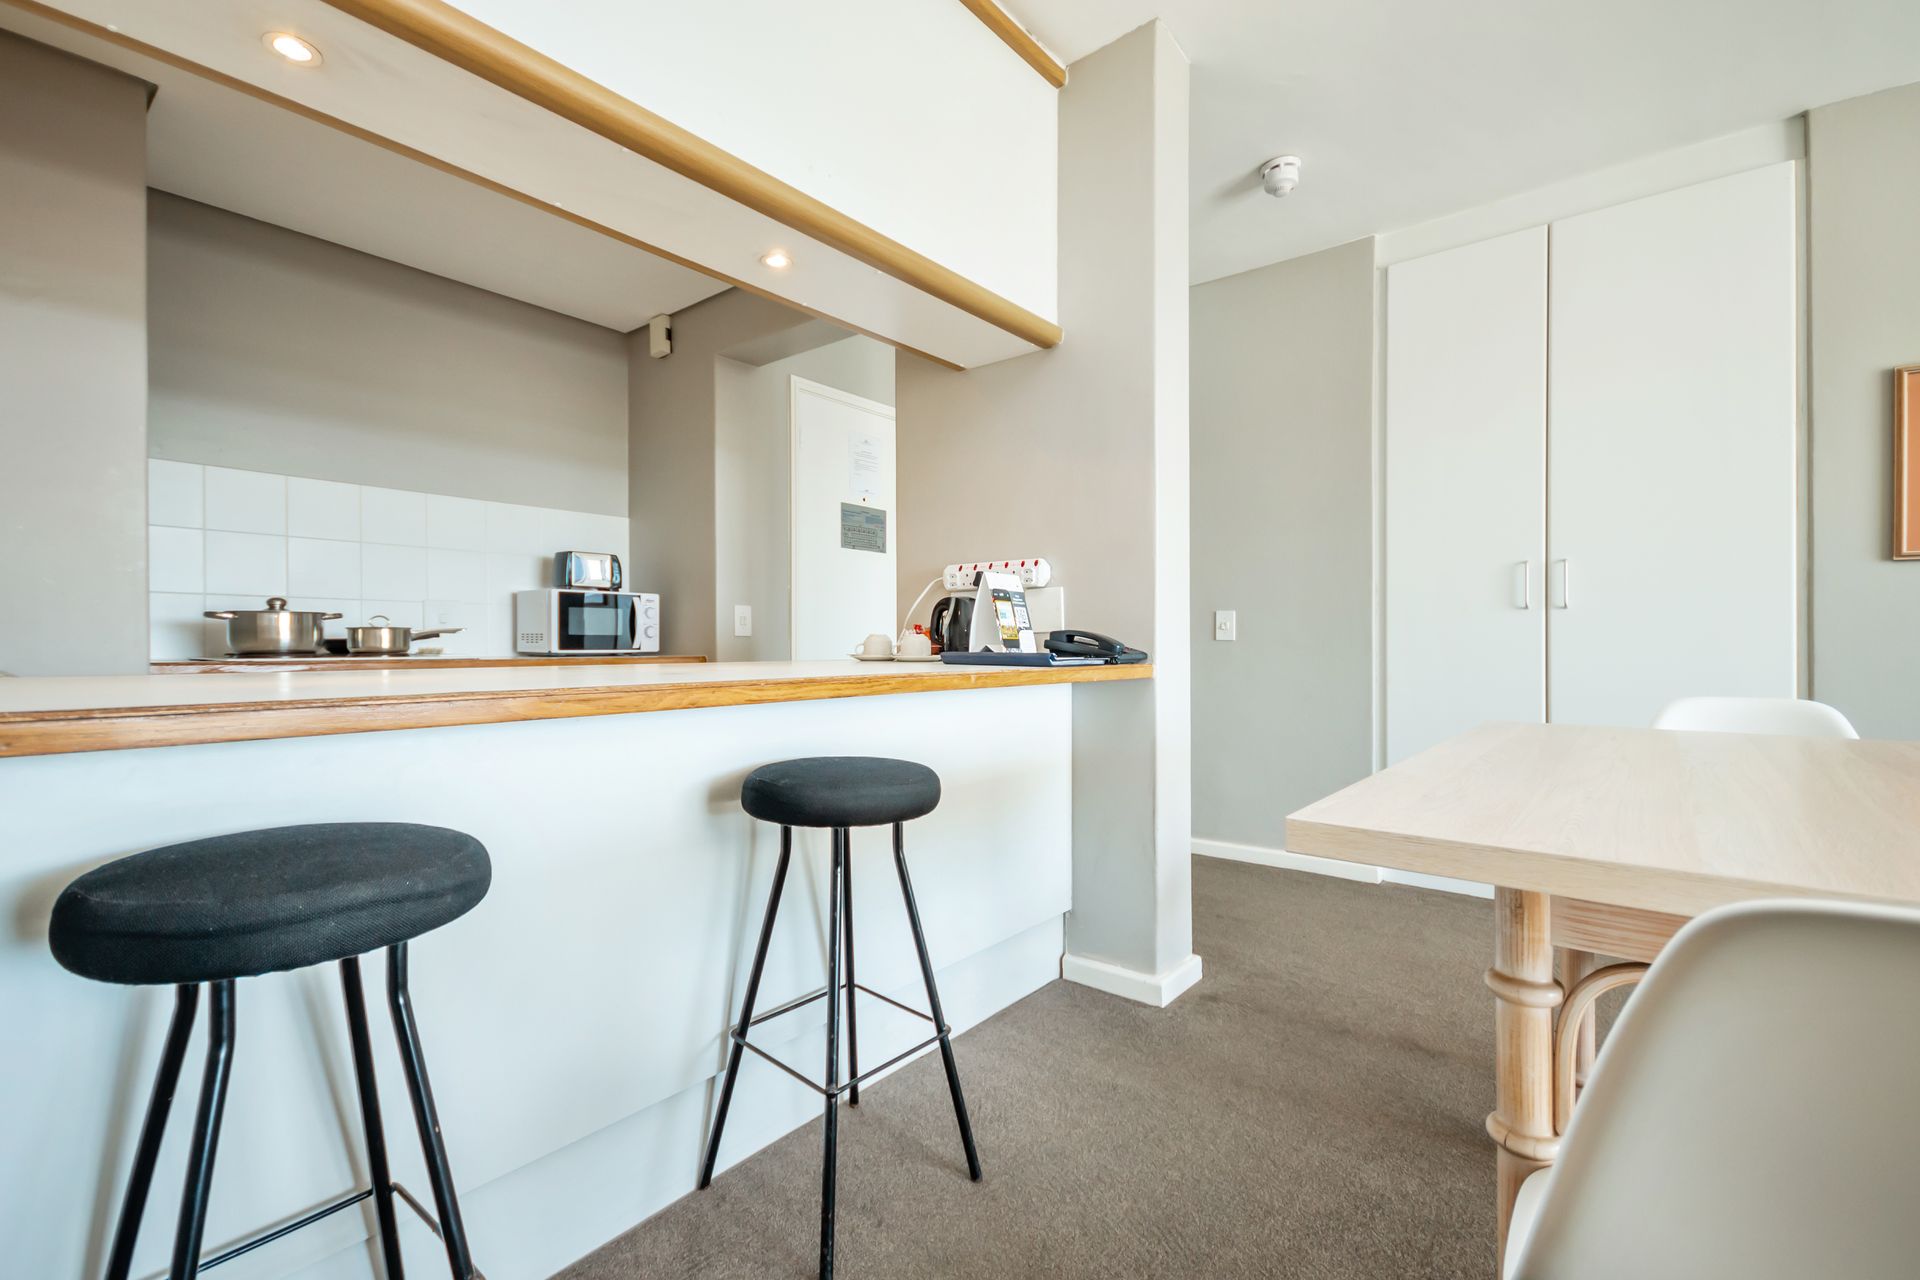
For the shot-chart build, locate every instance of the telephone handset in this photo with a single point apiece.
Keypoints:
(1091, 644)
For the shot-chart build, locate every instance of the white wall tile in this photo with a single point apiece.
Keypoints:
(460, 523)
(175, 559)
(499, 626)
(174, 626)
(352, 549)
(393, 516)
(401, 613)
(472, 620)
(174, 493)
(249, 564)
(517, 530)
(393, 573)
(456, 575)
(318, 567)
(245, 501)
(323, 509)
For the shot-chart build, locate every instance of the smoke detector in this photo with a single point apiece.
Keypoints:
(1280, 175)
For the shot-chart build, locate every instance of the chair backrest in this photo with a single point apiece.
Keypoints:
(1796, 717)
(1754, 1111)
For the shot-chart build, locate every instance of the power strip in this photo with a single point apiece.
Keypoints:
(1035, 572)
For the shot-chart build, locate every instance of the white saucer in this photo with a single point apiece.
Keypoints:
(871, 657)
(925, 657)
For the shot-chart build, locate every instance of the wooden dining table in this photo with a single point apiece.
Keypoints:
(1604, 842)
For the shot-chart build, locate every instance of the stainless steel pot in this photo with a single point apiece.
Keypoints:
(275, 631)
(388, 639)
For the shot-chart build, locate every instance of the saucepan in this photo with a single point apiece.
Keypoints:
(388, 639)
(275, 631)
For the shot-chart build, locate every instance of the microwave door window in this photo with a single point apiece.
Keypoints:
(595, 625)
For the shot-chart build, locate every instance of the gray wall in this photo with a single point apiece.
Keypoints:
(1864, 296)
(73, 364)
(753, 482)
(274, 351)
(1080, 454)
(671, 425)
(1283, 535)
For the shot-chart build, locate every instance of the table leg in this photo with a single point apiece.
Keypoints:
(1525, 997)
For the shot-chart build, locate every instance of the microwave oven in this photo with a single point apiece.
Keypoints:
(564, 620)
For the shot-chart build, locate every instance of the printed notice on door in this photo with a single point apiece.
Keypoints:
(866, 464)
(862, 528)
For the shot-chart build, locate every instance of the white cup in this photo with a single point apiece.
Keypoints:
(877, 646)
(916, 644)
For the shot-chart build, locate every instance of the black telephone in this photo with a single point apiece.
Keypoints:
(1091, 644)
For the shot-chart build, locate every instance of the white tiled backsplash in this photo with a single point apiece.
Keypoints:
(225, 539)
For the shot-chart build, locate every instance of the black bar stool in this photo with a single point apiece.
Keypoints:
(839, 792)
(209, 912)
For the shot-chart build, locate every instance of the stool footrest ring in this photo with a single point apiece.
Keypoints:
(324, 1211)
(738, 1034)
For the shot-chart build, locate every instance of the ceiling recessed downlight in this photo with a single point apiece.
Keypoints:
(778, 259)
(292, 48)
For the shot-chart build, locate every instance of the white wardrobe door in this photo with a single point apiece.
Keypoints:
(1671, 450)
(1466, 483)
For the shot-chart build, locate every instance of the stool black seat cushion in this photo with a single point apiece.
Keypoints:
(840, 791)
(257, 902)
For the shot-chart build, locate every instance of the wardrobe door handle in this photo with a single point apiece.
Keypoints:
(1523, 587)
(1561, 595)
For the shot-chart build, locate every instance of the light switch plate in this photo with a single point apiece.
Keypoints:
(1225, 625)
(743, 620)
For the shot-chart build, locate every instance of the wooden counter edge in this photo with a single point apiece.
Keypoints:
(41, 733)
(1652, 889)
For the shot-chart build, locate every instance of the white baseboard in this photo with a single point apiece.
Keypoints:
(1158, 990)
(1446, 884)
(1287, 861)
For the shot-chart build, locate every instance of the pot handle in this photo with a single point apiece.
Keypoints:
(225, 615)
(439, 631)
(325, 617)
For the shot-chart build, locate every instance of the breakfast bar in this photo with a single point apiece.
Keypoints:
(576, 1018)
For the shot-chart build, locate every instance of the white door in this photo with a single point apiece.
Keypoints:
(1466, 442)
(1672, 374)
(845, 521)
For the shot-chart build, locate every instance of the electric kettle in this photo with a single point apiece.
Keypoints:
(952, 624)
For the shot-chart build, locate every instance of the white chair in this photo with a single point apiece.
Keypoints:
(1754, 1113)
(1795, 717)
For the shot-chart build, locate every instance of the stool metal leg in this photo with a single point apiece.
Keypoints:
(378, 1175)
(186, 1000)
(933, 1003)
(453, 1232)
(206, 1133)
(746, 1009)
(853, 1027)
(834, 899)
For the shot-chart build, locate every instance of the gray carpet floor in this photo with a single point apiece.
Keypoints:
(1312, 1109)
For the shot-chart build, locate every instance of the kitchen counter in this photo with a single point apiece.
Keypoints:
(53, 715)
(577, 1017)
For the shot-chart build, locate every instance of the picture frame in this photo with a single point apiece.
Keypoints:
(1906, 462)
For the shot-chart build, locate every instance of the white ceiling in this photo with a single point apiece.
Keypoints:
(228, 149)
(1407, 111)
